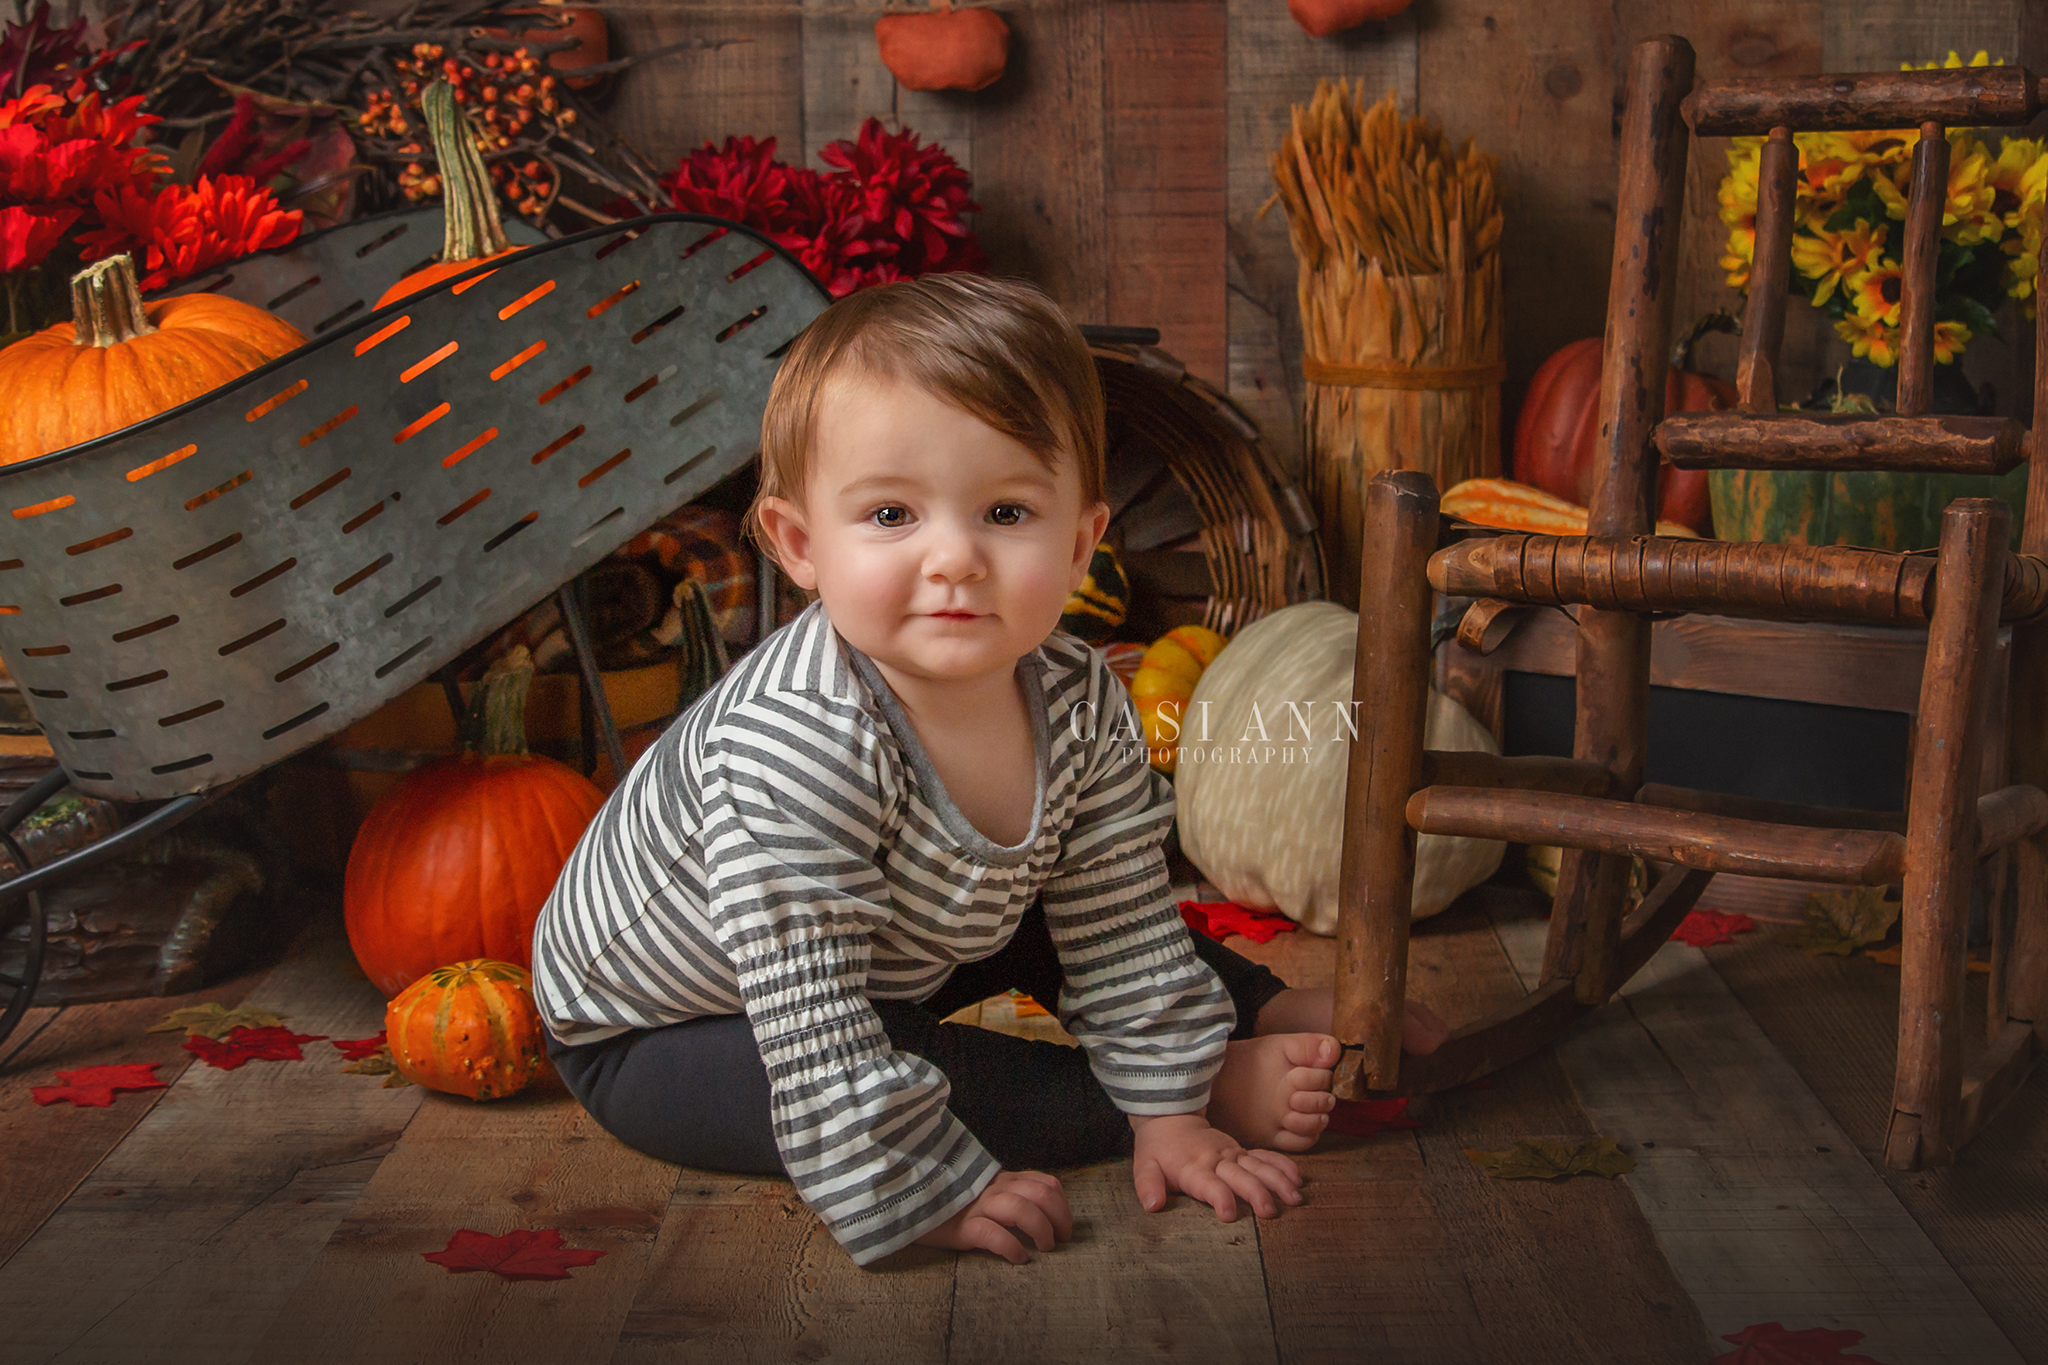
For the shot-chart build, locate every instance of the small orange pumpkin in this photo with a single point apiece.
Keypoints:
(120, 360)
(947, 49)
(1321, 18)
(456, 861)
(474, 232)
(468, 1028)
(585, 25)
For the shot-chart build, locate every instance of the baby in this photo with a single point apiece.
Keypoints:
(918, 793)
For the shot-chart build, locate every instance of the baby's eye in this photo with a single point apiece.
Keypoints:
(881, 516)
(1009, 513)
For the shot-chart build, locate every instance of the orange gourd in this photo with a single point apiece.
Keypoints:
(456, 861)
(1518, 507)
(121, 360)
(474, 233)
(1165, 680)
(1321, 18)
(585, 25)
(947, 49)
(468, 1028)
(1560, 417)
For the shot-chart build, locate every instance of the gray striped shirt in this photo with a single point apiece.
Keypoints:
(786, 850)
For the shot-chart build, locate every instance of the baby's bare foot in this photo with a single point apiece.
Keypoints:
(1306, 1009)
(1274, 1091)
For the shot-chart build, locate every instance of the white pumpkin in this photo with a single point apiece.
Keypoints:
(1260, 785)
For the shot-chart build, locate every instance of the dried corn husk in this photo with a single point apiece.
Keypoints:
(1397, 238)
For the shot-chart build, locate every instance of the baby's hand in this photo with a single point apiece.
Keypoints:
(1182, 1152)
(1030, 1201)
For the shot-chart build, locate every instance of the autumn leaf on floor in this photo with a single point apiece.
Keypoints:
(1768, 1343)
(521, 1254)
(1536, 1159)
(376, 1062)
(243, 1044)
(212, 1020)
(1365, 1118)
(1705, 928)
(1220, 919)
(1840, 922)
(94, 1086)
(1895, 956)
(355, 1049)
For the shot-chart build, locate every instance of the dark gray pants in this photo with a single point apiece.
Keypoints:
(696, 1093)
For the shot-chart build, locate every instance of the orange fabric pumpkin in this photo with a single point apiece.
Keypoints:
(468, 1028)
(474, 232)
(1321, 18)
(947, 49)
(120, 360)
(456, 861)
(585, 25)
(1560, 419)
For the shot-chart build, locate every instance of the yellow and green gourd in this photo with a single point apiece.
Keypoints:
(1166, 677)
(1098, 606)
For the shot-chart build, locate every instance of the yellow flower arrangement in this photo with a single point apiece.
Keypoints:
(1852, 186)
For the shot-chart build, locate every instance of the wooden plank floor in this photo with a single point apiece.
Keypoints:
(277, 1212)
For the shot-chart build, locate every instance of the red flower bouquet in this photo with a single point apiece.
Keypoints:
(892, 209)
(76, 185)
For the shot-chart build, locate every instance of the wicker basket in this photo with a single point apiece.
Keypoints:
(188, 600)
(1208, 527)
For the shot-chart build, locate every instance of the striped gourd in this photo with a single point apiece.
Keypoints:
(1519, 507)
(469, 1028)
(1098, 606)
(1873, 510)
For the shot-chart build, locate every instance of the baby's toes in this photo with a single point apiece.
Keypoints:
(1288, 1140)
(1310, 1079)
(1308, 1125)
(1312, 1102)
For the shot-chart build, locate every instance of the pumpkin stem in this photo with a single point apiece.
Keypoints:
(469, 204)
(106, 303)
(496, 720)
(1716, 321)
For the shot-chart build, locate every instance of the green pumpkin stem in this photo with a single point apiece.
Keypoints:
(469, 203)
(496, 720)
(106, 303)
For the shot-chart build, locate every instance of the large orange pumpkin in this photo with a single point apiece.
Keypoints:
(468, 1028)
(474, 233)
(120, 360)
(456, 861)
(585, 25)
(1560, 419)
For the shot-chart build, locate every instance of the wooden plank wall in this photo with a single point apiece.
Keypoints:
(1122, 160)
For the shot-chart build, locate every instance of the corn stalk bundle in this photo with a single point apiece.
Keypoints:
(1397, 237)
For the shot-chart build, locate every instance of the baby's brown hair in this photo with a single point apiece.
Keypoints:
(999, 350)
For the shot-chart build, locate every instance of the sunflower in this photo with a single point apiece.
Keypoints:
(1828, 258)
(1966, 216)
(1982, 58)
(1872, 341)
(1738, 210)
(1874, 294)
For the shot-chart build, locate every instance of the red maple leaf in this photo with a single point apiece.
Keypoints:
(1704, 928)
(1220, 919)
(1364, 1118)
(521, 1254)
(1769, 1343)
(275, 1043)
(94, 1086)
(355, 1049)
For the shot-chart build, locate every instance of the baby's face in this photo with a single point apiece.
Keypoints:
(942, 548)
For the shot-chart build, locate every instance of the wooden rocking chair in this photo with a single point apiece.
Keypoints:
(1595, 804)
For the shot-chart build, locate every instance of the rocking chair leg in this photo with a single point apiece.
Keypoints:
(1390, 693)
(1941, 834)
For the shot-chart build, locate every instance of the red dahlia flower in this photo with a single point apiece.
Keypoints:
(28, 234)
(911, 191)
(181, 230)
(741, 181)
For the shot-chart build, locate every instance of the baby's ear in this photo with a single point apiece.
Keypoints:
(781, 521)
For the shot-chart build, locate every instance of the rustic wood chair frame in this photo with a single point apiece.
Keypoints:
(1595, 804)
